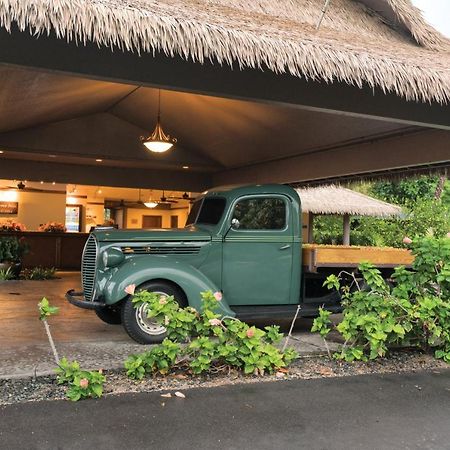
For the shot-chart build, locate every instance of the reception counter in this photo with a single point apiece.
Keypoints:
(60, 250)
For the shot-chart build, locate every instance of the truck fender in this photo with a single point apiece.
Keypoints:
(190, 280)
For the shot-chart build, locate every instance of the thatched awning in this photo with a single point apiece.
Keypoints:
(338, 200)
(393, 49)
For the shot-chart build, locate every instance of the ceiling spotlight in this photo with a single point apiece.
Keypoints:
(185, 167)
(158, 141)
(53, 182)
(1, 151)
(99, 160)
(42, 182)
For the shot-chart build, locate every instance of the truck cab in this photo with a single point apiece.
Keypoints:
(243, 241)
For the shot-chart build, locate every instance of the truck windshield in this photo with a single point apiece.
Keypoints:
(208, 211)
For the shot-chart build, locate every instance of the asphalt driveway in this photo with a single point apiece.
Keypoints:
(362, 412)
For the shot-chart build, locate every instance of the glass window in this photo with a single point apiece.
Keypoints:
(211, 211)
(193, 213)
(260, 213)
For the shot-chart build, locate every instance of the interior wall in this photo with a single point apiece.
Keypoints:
(134, 216)
(36, 208)
(94, 213)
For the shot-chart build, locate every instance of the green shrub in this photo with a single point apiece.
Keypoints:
(39, 273)
(82, 383)
(12, 248)
(415, 311)
(6, 274)
(209, 340)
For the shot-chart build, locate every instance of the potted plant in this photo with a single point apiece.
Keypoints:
(11, 225)
(52, 227)
(12, 250)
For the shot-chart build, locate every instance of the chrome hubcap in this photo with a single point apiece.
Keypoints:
(149, 325)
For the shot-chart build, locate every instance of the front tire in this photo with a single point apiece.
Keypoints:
(140, 328)
(111, 316)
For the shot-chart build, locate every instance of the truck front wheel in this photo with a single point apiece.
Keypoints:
(135, 321)
(109, 315)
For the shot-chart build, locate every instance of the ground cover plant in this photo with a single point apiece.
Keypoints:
(39, 273)
(6, 274)
(378, 315)
(201, 341)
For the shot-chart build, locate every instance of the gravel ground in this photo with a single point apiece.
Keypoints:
(45, 387)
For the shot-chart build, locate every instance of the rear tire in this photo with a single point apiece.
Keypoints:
(109, 315)
(143, 330)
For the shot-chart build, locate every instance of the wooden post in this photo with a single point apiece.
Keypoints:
(346, 234)
(310, 228)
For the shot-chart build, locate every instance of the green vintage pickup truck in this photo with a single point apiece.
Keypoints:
(243, 241)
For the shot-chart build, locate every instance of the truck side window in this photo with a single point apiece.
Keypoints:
(260, 213)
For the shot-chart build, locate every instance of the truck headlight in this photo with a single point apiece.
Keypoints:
(112, 257)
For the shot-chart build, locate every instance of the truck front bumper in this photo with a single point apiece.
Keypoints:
(77, 299)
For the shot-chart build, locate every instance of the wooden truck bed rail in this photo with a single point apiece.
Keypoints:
(315, 256)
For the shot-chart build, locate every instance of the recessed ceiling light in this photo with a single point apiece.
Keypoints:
(53, 182)
(42, 182)
(185, 167)
(99, 160)
(1, 151)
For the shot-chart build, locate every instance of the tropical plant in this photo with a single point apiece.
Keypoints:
(6, 274)
(82, 383)
(209, 340)
(12, 249)
(11, 225)
(415, 310)
(52, 227)
(39, 273)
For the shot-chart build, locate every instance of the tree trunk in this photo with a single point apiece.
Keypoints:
(52, 344)
(440, 186)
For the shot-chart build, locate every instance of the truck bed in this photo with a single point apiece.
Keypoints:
(316, 256)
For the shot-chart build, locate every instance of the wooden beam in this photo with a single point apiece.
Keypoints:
(104, 176)
(412, 150)
(52, 54)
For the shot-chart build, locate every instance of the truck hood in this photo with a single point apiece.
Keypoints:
(158, 234)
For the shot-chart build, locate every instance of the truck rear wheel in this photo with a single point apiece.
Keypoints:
(135, 321)
(109, 315)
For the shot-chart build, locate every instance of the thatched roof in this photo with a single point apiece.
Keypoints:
(393, 49)
(338, 200)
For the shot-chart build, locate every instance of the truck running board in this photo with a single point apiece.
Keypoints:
(281, 311)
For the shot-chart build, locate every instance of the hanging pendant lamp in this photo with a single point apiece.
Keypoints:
(158, 141)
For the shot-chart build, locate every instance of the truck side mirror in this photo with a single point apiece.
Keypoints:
(235, 223)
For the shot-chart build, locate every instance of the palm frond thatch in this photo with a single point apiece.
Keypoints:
(333, 199)
(353, 45)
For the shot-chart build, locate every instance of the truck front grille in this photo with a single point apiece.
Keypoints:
(89, 267)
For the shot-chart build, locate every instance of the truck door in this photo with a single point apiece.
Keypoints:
(257, 251)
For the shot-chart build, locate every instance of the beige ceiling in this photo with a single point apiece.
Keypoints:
(64, 119)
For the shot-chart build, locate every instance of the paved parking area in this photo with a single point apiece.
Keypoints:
(78, 333)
